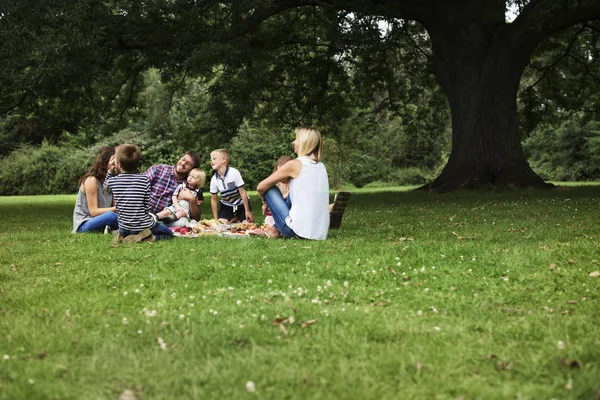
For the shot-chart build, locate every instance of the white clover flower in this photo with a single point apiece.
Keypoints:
(426, 290)
(6, 357)
(397, 258)
(319, 288)
(398, 264)
(560, 345)
(346, 284)
(229, 288)
(30, 381)
(308, 263)
(141, 285)
(250, 387)
(137, 290)
(270, 281)
(239, 302)
(125, 321)
(139, 332)
(419, 313)
(329, 283)
(181, 317)
(192, 297)
(161, 343)
(437, 328)
(173, 295)
(125, 293)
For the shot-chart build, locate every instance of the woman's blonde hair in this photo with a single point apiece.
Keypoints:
(310, 143)
(199, 174)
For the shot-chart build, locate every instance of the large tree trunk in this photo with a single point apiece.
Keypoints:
(480, 70)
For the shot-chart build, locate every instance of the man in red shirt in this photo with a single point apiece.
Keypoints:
(165, 178)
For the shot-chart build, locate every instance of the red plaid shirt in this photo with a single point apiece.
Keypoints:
(162, 186)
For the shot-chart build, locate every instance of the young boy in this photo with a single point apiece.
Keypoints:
(131, 191)
(228, 181)
(181, 208)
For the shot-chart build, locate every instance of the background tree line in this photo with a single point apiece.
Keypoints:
(365, 81)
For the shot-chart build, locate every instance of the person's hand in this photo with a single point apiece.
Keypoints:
(265, 209)
(186, 194)
(250, 216)
(112, 164)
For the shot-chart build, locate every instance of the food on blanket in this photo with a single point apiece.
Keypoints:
(243, 226)
(209, 222)
(207, 232)
(184, 231)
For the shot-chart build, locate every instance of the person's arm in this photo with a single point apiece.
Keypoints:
(290, 169)
(214, 200)
(90, 186)
(175, 202)
(249, 215)
(188, 195)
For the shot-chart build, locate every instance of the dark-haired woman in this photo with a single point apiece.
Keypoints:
(94, 208)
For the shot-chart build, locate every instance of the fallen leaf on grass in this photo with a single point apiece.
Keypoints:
(127, 395)
(283, 329)
(504, 365)
(308, 323)
(463, 237)
(595, 274)
(569, 363)
(14, 267)
(279, 321)
(520, 230)
(571, 261)
(571, 302)
(41, 356)
(392, 270)
(418, 366)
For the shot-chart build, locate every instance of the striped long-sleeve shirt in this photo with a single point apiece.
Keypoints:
(132, 198)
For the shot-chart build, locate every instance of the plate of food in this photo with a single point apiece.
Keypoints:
(234, 235)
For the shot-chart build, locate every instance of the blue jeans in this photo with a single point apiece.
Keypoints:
(98, 223)
(280, 208)
(159, 231)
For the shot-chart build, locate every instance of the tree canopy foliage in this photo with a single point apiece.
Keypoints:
(78, 66)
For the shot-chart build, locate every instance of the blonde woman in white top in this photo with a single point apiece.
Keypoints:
(305, 212)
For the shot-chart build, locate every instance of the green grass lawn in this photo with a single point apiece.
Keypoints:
(426, 296)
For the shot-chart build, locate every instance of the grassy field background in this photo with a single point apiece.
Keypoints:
(466, 295)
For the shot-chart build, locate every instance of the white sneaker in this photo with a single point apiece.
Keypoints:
(107, 230)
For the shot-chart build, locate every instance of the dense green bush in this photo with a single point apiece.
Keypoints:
(45, 169)
(569, 153)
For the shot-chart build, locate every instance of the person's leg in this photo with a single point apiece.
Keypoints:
(186, 209)
(225, 213)
(98, 223)
(161, 232)
(167, 212)
(280, 209)
(181, 222)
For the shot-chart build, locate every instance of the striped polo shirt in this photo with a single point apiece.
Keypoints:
(132, 198)
(228, 185)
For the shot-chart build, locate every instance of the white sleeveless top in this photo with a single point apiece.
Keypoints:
(309, 194)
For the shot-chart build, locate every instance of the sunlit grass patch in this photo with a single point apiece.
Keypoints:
(481, 295)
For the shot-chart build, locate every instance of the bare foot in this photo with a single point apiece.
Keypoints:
(272, 232)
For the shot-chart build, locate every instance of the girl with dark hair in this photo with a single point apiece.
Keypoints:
(94, 208)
